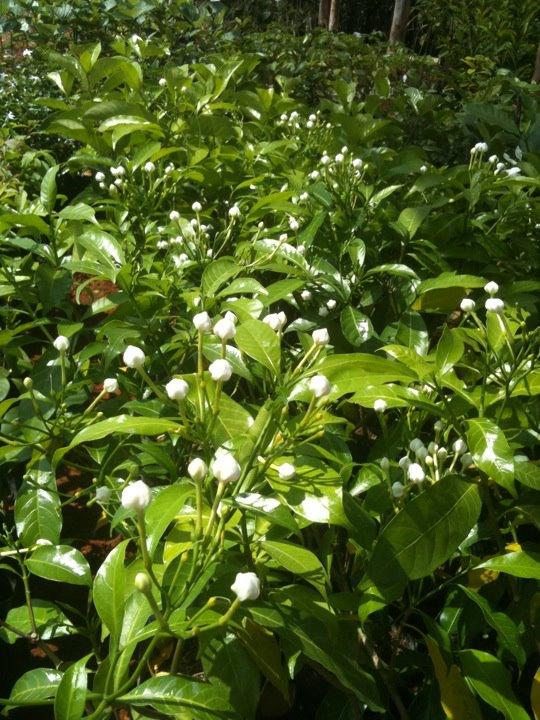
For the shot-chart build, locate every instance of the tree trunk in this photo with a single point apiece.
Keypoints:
(333, 20)
(324, 12)
(400, 18)
(536, 73)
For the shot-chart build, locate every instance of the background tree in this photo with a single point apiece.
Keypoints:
(324, 13)
(333, 20)
(400, 18)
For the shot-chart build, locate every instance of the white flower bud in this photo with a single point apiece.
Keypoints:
(491, 288)
(438, 426)
(306, 295)
(397, 490)
(331, 304)
(493, 159)
(225, 468)
(421, 453)
(415, 444)
(162, 82)
(118, 171)
(460, 446)
(467, 305)
(442, 454)
(174, 215)
(423, 169)
(466, 460)
(339, 158)
(42, 541)
(432, 448)
(380, 405)
(149, 167)
(202, 322)
(136, 496)
(197, 469)
(415, 473)
(176, 389)
(293, 224)
(325, 160)
(495, 305)
(110, 385)
(100, 177)
(404, 462)
(384, 464)
(320, 386)
(225, 329)
(61, 344)
(230, 315)
(314, 175)
(286, 471)
(142, 582)
(196, 207)
(234, 211)
(134, 357)
(275, 320)
(220, 370)
(320, 337)
(246, 586)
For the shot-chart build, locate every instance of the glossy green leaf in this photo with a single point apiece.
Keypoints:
(261, 343)
(297, 560)
(35, 686)
(356, 326)
(60, 563)
(491, 452)
(450, 349)
(217, 273)
(70, 697)
(126, 425)
(491, 681)
(266, 653)
(37, 516)
(162, 510)
(424, 534)
(523, 564)
(109, 589)
(47, 192)
(412, 333)
(50, 622)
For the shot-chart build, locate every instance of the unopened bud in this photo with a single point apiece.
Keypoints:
(142, 582)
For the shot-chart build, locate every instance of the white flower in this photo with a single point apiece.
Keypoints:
(331, 304)
(339, 158)
(110, 385)
(220, 370)
(118, 171)
(134, 357)
(397, 490)
(118, 182)
(320, 337)
(415, 444)
(380, 405)
(230, 315)
(306, 295)
(43, 541)
(421, 453)
(323, 311)
(136, 496)
(320, 386)
(225, 329)
(162, 82)
(103, 494)
(197, 469)
(275, 320)
(234, 211)
(432, 448)
(423, 168)
(467, 305)
(27, 52)
(460, 446)
(314, 175)
(325, 160)
(286, 471)
(491, 288)
(495, 305)
(404, 462)
(61, 344)
(202, 322)
(384, 464)
(196, 207)
(513, 171)
(176, 389)
(169, 169)
(225, 467)
(149, 167)
(162, 244)
(100, 177)
(480, 147)
(493, 159)
(246, 586)
(174, 215)
(293, 224)
(415, 473)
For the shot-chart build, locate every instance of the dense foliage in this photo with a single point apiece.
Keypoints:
(268, 395)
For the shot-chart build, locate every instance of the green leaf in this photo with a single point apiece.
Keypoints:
(61, 563)
(174, 694)
(47, 192)
(163, 509)
(216, 274)
(506, 629)
(109, 589)
(125, 425)
(411, 218)
(35, 686)
(412, 333)
(50, 622)
(424, 534)
(261, 343)
(450, 348)
(101, 246)
(37, 516)
(297, 560)
(523, 564)
(457, 701)
(224, 659)
(491, 452)
(266, 653)
(79, 211)
(491, 681)
(527, 473)
(356, 326)
(71, 694)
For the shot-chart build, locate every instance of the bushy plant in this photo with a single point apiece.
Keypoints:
(269, 386)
